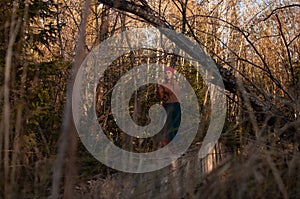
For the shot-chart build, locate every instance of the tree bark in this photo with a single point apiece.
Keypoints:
(14, 29)
(68, 144)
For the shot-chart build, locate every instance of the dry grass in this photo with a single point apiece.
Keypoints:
(255, 173)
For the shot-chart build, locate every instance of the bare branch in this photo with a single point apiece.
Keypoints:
(143, 11)
(280, 8)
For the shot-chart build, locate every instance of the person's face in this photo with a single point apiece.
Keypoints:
(169, 75)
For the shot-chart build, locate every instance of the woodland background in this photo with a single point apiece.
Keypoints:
(254, 42)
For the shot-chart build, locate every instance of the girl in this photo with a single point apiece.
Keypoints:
(171, 104)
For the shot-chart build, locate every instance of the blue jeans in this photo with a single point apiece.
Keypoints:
(173, 119)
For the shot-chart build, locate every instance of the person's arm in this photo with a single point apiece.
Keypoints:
(160, 92)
